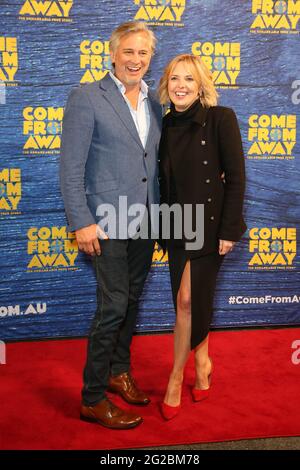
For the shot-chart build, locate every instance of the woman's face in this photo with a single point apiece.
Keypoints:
(183, 89)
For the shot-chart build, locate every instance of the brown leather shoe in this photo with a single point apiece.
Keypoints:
(125, 386)
(109, 415)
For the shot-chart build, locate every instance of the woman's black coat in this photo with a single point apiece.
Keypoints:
(197, 155)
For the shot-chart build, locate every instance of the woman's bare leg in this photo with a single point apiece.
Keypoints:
(182, 338)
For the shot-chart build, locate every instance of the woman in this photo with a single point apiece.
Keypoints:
(201, 162)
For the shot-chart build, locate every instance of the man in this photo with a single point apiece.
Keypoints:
(111, 131)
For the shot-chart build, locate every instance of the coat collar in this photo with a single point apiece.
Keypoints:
(201, 116)
(198, 115)
(107, 83)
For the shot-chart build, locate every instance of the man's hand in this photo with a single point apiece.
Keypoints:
(225, 246)
(87, 239)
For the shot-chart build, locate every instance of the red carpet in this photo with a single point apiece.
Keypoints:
(255, 393)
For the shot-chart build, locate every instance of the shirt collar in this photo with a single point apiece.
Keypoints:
(121, 86)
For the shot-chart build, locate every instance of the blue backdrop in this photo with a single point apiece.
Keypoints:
(46, 47)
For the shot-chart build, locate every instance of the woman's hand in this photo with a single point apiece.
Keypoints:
(225, 246)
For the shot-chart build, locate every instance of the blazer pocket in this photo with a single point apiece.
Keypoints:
(101, 186)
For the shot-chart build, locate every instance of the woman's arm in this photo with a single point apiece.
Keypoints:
(232, 161)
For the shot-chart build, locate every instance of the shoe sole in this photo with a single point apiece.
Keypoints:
(199, 399)
(97, 421)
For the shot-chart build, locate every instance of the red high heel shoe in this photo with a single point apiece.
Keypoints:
(169, 412)
(197, 393)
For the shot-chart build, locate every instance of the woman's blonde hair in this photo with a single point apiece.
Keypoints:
(200, 73)
(131, 27)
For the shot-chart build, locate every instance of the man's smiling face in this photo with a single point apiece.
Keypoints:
(132, 58)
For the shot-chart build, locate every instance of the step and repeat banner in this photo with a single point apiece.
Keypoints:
(46, 48)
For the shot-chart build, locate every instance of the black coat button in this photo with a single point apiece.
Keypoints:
(207, 181)
(212, 218)
(145, 154)
(203, 142)
(144, 179)
(209, 199)
(205, 162)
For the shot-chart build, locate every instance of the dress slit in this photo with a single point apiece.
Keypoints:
(203, 276)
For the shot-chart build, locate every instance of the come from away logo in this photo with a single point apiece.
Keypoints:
(46, 10)
(94, 60)
(272, 137)
(8, 60)
(272, 248)
(160, 12)
(10, 191)
(51, 249)
(222, 59)
(275, 16)
(42, 127)
(159, 259)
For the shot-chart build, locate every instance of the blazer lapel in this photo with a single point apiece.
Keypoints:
(116, 100)
(152, 120)
(151, 126)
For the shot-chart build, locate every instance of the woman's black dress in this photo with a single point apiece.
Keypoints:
(203, 272)
(204, 264)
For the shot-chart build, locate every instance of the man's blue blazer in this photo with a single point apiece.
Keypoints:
(102, 156)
